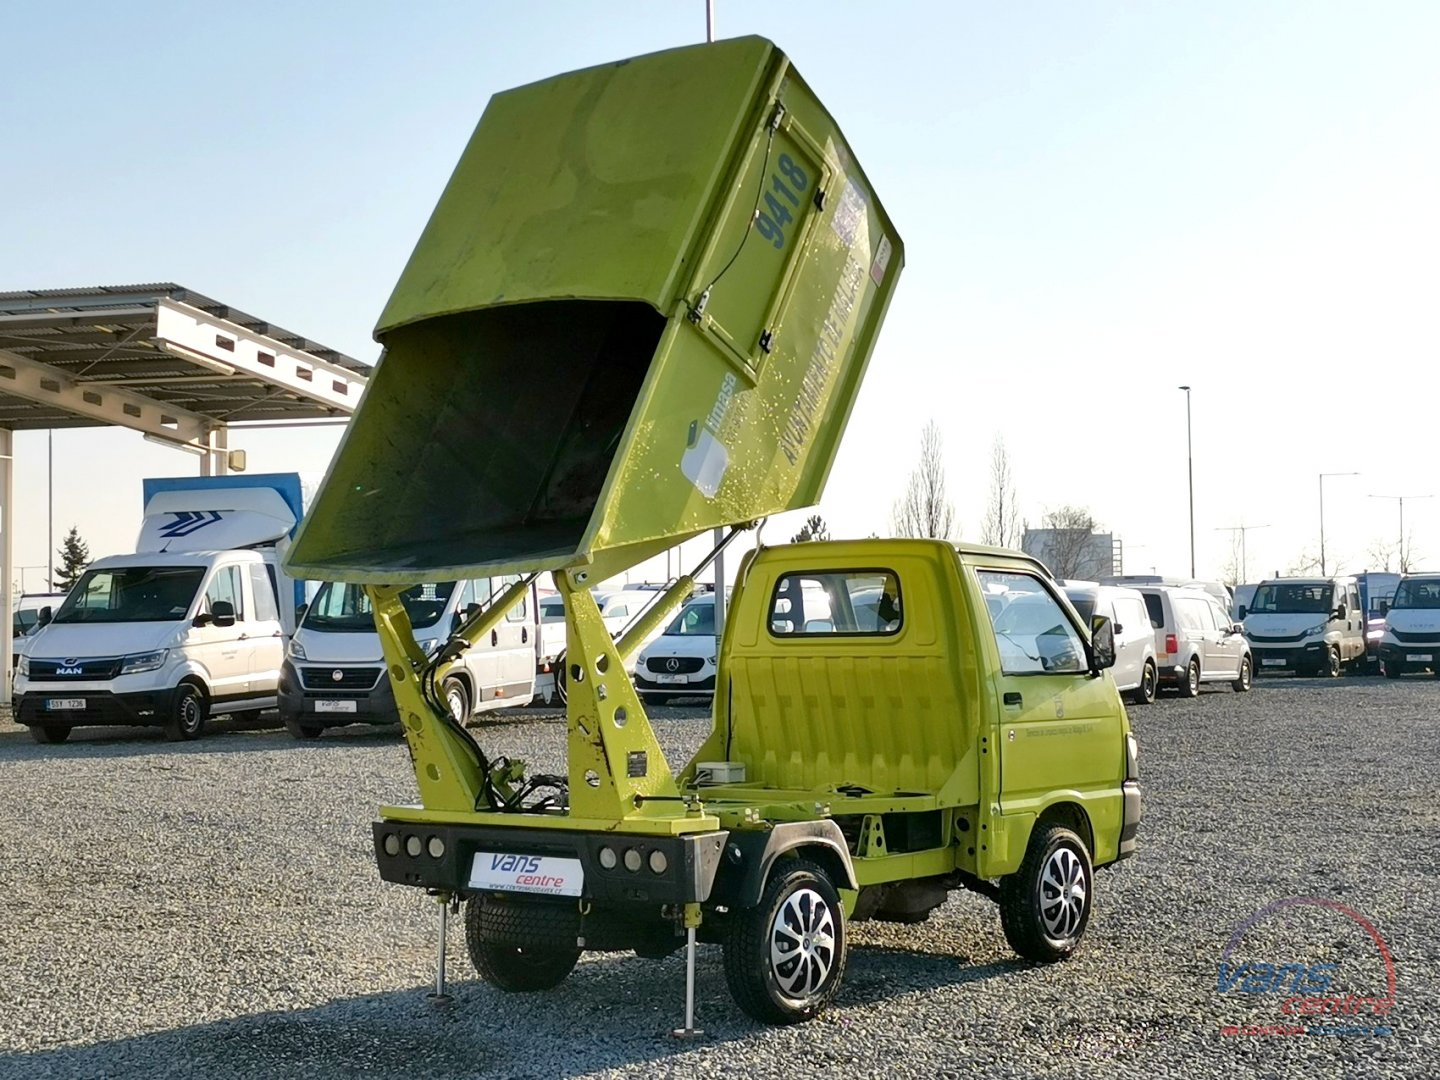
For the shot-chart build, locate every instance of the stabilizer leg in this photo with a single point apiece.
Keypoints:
(440, 997)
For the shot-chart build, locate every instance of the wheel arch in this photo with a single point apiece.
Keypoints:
(751, 857)
(1071, 815)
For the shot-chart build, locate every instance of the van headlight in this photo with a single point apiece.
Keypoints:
(429, 645)
(295, 650)
(1314, 631)
(143, 661)
(24, 668)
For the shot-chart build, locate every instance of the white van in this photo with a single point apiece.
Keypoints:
(189, 626)
(1136, 672)
(1310, 625)
(1411, 640)
(334, 673)
(680, 662)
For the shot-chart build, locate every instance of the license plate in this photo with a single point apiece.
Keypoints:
(548, 874)
(1272, 663)
(671, 679)
(1417, 657)
(334, 706)
(64, 704)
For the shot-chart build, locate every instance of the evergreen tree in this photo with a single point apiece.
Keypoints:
(74, 558)
(813, 529)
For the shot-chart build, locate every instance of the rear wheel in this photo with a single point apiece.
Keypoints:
(1243, 680)
(518, 945)
(457, 698)
(785, 957)
(49, 733)
(187, 714)
(1190, 684)
(1144, 694)
(1045, 905)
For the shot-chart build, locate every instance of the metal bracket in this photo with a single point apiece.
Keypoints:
(767, 340)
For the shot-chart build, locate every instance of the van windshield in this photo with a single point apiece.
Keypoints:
(1417, 594)
(1085, 605)
(1287, 599)
(694, 620)
(345, 608)
(132, 594)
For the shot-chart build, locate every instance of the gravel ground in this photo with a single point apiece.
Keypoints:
(212, 910)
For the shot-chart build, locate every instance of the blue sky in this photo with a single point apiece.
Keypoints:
(1099, 202)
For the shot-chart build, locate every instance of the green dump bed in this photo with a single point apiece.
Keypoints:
(641, 309)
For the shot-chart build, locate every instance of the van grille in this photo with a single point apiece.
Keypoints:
(1424, 636)
(351, 678)
(1289, 639)
(674, 665)
(81, 668)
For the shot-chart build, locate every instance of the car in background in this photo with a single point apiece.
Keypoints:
(1308, 625)
(1136, 671)
(1196, 641)
(681, 661)
(28, 615)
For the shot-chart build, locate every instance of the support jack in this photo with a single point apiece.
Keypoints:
(689, 1031)
(439, 997)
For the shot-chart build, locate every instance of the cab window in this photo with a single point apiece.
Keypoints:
(1032, 632)
(263, 592)
(520, 612)
(841, 602)
(225, 585)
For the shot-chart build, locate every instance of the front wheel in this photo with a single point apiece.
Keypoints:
(187, 714)
(1243, 680)
(1045, 905)
(1392, 670)
(1332, 662)
(785, 957)
(49, 733)
(457, 699)
(517, 944)
(301, 730)
(1190, 684)
(1144, 694)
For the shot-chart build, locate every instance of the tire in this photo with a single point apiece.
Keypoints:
(1144, 694)
(512, 942)
(186, 720)
(457, 698)
(1333, 666)
(1392, 671)
(1045, 905)
(301, 730)
(785, 957)
(1246, 678)
(49, 733)
(1190, 685)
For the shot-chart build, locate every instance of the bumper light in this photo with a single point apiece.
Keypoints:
(658, 862)
(608, 859)
(391, 844)
(633, 860)
(436, 847)
(413, 847)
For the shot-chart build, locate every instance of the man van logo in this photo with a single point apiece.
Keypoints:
(673, 664)
(70, 667)
(520, 864)
(337, 675)
(187, 522)
(1315, 997)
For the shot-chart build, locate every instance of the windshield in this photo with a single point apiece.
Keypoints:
(1085, 605)
(345, 608)
(694, 620)
(132, 594)
(552, 610)
(1417, 593)
(1287, 599)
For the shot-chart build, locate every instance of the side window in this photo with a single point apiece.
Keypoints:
(1032, 633)
(1353, 604)
(1219, 616)
(840, 602)
(520, 612)
(263, 591)
(1186, 614)
(1155, 608)
(225, 585)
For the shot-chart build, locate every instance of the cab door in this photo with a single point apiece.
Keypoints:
(266, 638)
(517, 647)
(1060, 727)
(222, 649)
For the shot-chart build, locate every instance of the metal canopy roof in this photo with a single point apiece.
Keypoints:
(161, 359)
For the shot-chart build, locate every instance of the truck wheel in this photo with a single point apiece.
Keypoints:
(187, 714)
(49, 733)
(785, 957)
(301, 730)
(1144, 694)
(1392, 670)
(1190, 685)
(514, 943)
(1332, 662)
(1045, 905)
(457, 698)
(1242, 683)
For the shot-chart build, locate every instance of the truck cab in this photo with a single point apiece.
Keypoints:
(1308, 625)
(1411, 637)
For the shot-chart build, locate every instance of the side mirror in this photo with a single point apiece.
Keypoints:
(1340, 611)
(43, 619)
(1102, 645)
(1384, 607)
(1243, 612)
(300, 610)
(471, 610)
(222, 613)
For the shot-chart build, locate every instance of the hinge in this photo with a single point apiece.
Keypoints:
(777, 116)
(819, 199)
(767, 340)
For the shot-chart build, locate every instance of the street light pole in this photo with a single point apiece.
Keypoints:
(1323, 475)
(1401, 500)
(1190, 468)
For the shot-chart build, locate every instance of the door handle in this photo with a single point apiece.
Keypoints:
(243, 637)
(524, 635)
(1012, 697)
(494, 637)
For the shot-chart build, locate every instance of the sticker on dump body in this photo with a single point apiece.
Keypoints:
(546, 874)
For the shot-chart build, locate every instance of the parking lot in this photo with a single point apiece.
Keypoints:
(212, 909)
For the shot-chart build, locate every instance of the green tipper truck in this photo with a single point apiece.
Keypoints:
(678, 261)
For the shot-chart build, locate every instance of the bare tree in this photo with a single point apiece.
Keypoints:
(1306, 564)
(1066, 543)
(1002, 516)
(1234, 571)
(924, 510)
(813, 529)
(1383, 554)
(1409, 556)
